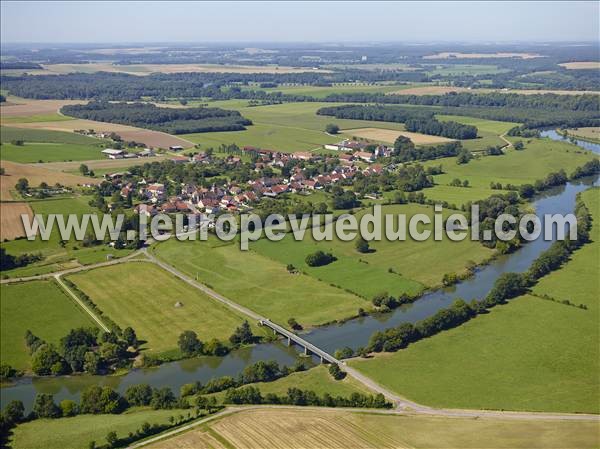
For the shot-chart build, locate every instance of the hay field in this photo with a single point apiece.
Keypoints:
(589, 133)
(580, 65)
(148, 137)
(441, 90)
(311, 428)
(390, 135)
(10, 219)
(459, 55)
(102, 164)
(35, 174)
(21, 107)
(147, 69)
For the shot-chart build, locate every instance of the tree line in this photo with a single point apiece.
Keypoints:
(170, 120)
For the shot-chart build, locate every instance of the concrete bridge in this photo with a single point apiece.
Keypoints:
(291, 337)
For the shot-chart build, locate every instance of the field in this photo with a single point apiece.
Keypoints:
(56, 256)
(49, 152)
(9, 134)
(316, 379)
(278, 428)
(591, 133)
(441, 90)
(35, 174)
(592, 65)
(390, 136)
(530, 354)
(323, 91)
(10, 219)
(143, 296)
(413, 263)
(21, 107)
(539, 157)
(43, 308)
(78, 431)
(459, 55)
(259, 283)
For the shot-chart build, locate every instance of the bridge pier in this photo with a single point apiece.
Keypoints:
(305, 350)
(289, 341)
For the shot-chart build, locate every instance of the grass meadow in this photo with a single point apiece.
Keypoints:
(43, 308)
(530, 354)
(49, 152)
(78, 431)
(260, 283)
(8, 134)
(143, 296)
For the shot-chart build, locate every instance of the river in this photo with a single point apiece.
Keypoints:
(352, 333)
(552, 134)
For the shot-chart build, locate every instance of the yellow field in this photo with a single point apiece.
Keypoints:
(581, 65)
(586, 133)
(146, 69)
(306, 428)
(21, 107)
(35, 174)
(390, 135)
(11, 225)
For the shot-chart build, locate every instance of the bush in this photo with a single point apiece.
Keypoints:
(319, 258)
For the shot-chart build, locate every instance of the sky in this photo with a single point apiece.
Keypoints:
(129, 22)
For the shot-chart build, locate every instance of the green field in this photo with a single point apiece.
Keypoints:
(143, 296)
(323, 91)
(8, 134)
(55, 256)
(316, 379)
(530, 354)
(78, 431)
(49, 152)
(259, 283)
(43, 308)
(414, 263)
(37, 118)
(464, 69)
(540, 157)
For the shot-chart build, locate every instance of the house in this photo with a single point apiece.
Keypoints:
(179, 159)
(149, 210)
(113, 154)
(176, 148)
(365, 156)
(302, 155)
(156, 192)
(311, 184)
(146, 152)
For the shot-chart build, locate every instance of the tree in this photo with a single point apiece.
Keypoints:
(361, 245)
(14, 411)
(336, 372)
(464, 156)
(138, 395)
(215, 347)
(46, 360)
(294, 324)
(130, 337)
(189, 344)
(332, 128)
(22, 185)
(242, 335)
(91, 362)
(319, 258)
(518, 145)
(84, 169)
(44, 406)
(68, 407)
(96, 399)
(162, 398)
(111, 439)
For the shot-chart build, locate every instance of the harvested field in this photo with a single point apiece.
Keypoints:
(591, 133)
(458, 55)
(580, 65)
(10, 220)
(146, 69)
(35, 174)
(441, 90)
(151, 138)
(20, 107)
(102, 163)
(310, 428)
(390, 135)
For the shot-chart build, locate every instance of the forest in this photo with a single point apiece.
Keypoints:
(169, 120)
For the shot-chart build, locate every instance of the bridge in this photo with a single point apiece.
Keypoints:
(291, 337)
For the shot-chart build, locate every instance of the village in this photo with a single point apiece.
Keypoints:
(235, 197)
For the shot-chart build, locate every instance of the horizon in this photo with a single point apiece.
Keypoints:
(298, 22)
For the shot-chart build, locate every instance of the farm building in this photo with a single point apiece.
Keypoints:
(113, 154)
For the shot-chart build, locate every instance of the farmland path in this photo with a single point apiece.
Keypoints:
(53, 274)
